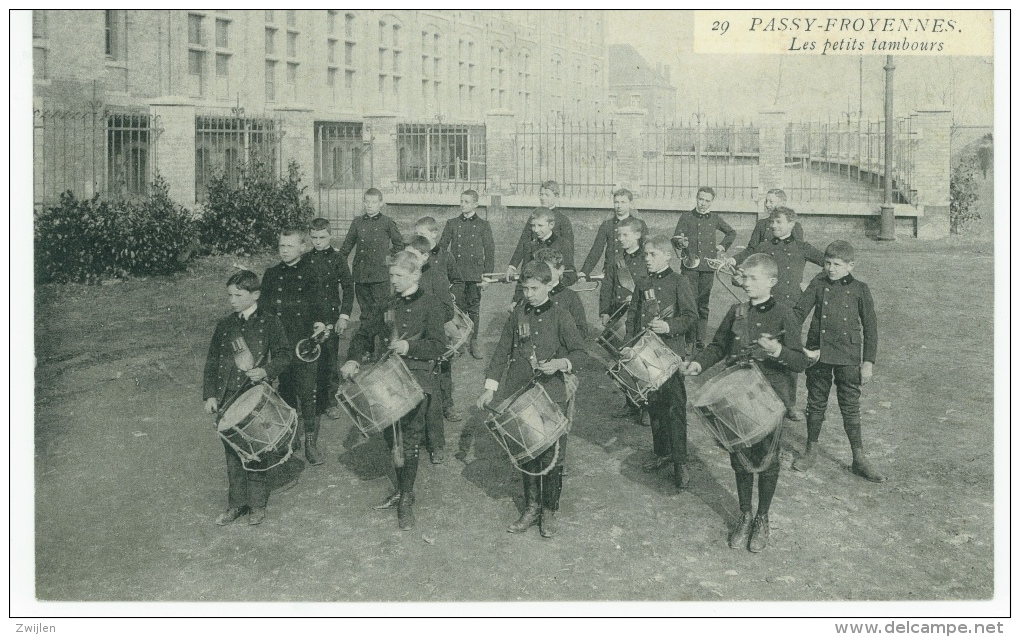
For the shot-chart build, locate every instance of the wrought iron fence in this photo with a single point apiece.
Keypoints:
(846, 161)
(223, 144)
(343, 169)
(103, 150)
(437, 157)
(578, 155)
(681, 157)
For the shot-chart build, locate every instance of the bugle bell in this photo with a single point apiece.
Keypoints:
(725, 267)
(681, 244)
(309, 349)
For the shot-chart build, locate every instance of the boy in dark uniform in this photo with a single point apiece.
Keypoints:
(548, 195)
(290, 289)
(375, 236)
(469, 239)
(433, 282)
(262, 335)
(607, 244)
(843, 325)
(763, 227)
(410, 324)
(546, 235)
(539, 337)
(696, 232)
(769, 333)
(560, 294)
(337, 289)
(791, 255)
(664, 303)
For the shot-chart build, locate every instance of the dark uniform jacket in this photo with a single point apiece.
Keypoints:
(433, 281)
(554, 242)
(666, 295)
(844, 320)
(376, 238)
(763, 232)
(534, 333)
(263, 334)
(416, 318)
(700, 231)
(334, 276)
(743, 325)
(470, 242)
(618, 287)
(791, 256)
(292, 292)
(562, 227)
(606, 245)
(570, 300)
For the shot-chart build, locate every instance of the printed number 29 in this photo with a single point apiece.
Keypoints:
(721, 27)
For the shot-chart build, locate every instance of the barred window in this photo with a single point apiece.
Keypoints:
(223, 144)
(440, 153)
(127, 155)
(339, 151)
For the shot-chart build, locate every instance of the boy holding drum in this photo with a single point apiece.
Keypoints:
(769, 333)
(539, 342)
(259, 333)
(561, 294)
(843, 325)
(469, 239)
(665, 305)
(410, 324)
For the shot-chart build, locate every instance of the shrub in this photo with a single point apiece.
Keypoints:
(963, 193)
(84, 240)
(246, 219)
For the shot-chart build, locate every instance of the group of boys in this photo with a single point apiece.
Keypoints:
(406, 292)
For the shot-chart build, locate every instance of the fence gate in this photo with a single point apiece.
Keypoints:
(225, 144)
(580, 156)
(343, 170)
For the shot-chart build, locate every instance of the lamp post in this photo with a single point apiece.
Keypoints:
(888, 229)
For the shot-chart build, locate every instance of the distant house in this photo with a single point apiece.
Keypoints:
(633, 83)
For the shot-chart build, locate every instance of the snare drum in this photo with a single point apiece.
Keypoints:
(740, 408)
(380, 395)
(458, 332)
(259, 426)
(614, 335)
(527, 424)
(644, 366)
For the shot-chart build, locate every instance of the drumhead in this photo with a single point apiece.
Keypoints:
(242, 407)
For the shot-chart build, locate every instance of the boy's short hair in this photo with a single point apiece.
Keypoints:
(245, 280)
(406, 261)
(537, 270)
(778, 192)
(623, 192)
(763, 261)
(319, 223)
(710, 190)
(784, 212)
(635, 224)
(298, 231)
(471, 193)
(840, 250)
(660, 242)
(544, 213)
(429, 223)
(374, 192)
(549, 256)
(551, 186)
(420, 244)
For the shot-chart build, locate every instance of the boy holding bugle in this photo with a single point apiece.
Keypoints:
(410, 325)
(539, 343)
(768, 333)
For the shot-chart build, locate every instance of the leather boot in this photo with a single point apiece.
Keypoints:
(759, 534)
(862, 467)
(405, 511)
(551, 487)
(807, 460)
(681, 476)
(738, 538)
(531, 506)
(295, 442)
(311, 439)
(474, 350)
(547, 525)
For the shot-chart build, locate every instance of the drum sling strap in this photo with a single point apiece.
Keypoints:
(742, 327)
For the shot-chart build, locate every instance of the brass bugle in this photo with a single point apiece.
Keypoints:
(309, 349)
